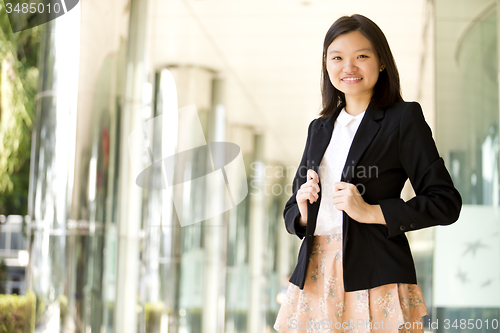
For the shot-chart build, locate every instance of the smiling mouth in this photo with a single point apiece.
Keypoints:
(352, 79)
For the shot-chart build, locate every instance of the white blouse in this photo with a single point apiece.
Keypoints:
(329, 220)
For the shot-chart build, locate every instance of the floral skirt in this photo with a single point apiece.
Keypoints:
(323, 305)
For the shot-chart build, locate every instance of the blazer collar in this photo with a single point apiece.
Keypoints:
(367, 130)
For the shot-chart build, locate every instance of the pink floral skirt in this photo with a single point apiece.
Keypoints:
(323, 305)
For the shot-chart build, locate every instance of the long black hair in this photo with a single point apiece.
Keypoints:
(387, 90)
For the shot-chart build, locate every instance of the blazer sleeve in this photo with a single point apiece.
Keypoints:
(291, 214)
(436, 200)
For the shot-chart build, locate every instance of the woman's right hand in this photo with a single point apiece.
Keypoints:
(308, 191)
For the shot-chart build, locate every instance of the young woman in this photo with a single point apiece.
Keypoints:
(355, 271)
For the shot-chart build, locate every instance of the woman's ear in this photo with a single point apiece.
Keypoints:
(382, 67)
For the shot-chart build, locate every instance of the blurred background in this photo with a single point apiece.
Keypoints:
(84, 249)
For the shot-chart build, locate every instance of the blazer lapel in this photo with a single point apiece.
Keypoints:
(320, 140)
(367, 130)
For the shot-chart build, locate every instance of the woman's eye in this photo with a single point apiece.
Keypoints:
(336, 58)
(363, 56)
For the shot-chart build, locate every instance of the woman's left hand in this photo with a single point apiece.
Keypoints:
(346, 197)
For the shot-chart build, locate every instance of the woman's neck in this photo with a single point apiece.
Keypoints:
(355, 106)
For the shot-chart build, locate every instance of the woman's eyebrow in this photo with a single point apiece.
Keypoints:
(363, 49)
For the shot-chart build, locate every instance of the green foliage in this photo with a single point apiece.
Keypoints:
(153, 313)
(40, 307)
(18, 87)
(17, 313)
(63, 307)
(3, 276)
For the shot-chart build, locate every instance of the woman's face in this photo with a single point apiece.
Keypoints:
(353, 66)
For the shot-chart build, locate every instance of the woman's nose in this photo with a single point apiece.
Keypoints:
(349, 67)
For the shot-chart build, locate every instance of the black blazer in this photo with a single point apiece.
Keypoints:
(389, 147)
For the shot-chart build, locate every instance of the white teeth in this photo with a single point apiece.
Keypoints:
(352, 79)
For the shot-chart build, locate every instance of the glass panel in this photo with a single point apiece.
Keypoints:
(467, 101)
(238, 271)
(73, 199)
(466, 254)
(3, 240)
(16, 241)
